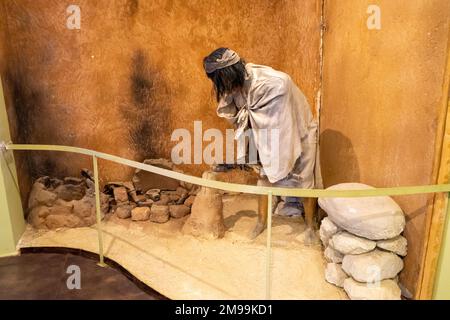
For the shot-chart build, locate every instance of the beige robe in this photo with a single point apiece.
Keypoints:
(271, 100)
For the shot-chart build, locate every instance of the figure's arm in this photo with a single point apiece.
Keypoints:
(227, 109)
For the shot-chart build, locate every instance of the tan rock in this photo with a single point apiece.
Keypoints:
(120, 194)
(84, 207)
(179, 210)
(39, 195)
(164, 199)
(37, 216)
(159, 213)
(54, 221)
(140, 214)
(124, 211)
(62, 207)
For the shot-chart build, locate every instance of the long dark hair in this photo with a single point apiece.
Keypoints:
(227, 79)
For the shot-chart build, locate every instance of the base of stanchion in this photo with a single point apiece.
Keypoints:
(102, 264)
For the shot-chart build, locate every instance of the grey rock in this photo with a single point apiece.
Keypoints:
(335, 275)
(398, 245)
(375, 218)
(327, 230)
(332, 255)
(372, 266)
(384, 290)
(347, 243)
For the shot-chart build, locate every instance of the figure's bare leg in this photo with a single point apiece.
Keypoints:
(310, 206)
(263, 202)
(262, 216)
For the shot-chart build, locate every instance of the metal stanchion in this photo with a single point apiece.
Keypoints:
(269, 246)
(98, 212)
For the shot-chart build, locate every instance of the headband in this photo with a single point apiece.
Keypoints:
(229, 58)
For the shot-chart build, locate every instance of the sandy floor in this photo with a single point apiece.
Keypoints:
(183, 267)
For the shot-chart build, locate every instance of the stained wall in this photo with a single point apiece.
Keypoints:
(133, 72)
(381, 103)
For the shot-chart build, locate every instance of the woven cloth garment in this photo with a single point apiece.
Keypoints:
(270, 100)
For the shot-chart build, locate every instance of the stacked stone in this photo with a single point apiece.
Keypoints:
(150, 196)
(64, 203)
(363, 244)
(70, 202)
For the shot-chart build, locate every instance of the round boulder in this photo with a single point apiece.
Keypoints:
(384, 290)
(347, 243)
(375, 218)
(372, 266)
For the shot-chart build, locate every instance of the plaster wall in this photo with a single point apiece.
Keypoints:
(381, 102)
(133, 72)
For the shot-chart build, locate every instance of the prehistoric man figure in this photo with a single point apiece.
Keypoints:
(258, 97)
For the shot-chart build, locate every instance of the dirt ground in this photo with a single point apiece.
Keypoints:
(183, 267)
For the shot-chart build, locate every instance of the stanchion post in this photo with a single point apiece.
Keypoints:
(269, 247)
(98, 212)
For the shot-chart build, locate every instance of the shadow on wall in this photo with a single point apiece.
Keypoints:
(338, 159)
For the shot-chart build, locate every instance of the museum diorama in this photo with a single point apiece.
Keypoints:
(327, 179)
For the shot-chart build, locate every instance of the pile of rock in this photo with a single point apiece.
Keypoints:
(54, 203)
(150, 196)
(70, 202)
(363, 244)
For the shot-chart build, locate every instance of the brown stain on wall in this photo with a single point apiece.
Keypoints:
(381, 103)
(133, 72)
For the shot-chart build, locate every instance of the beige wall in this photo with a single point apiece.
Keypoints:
(381, 102)
(133, 73)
